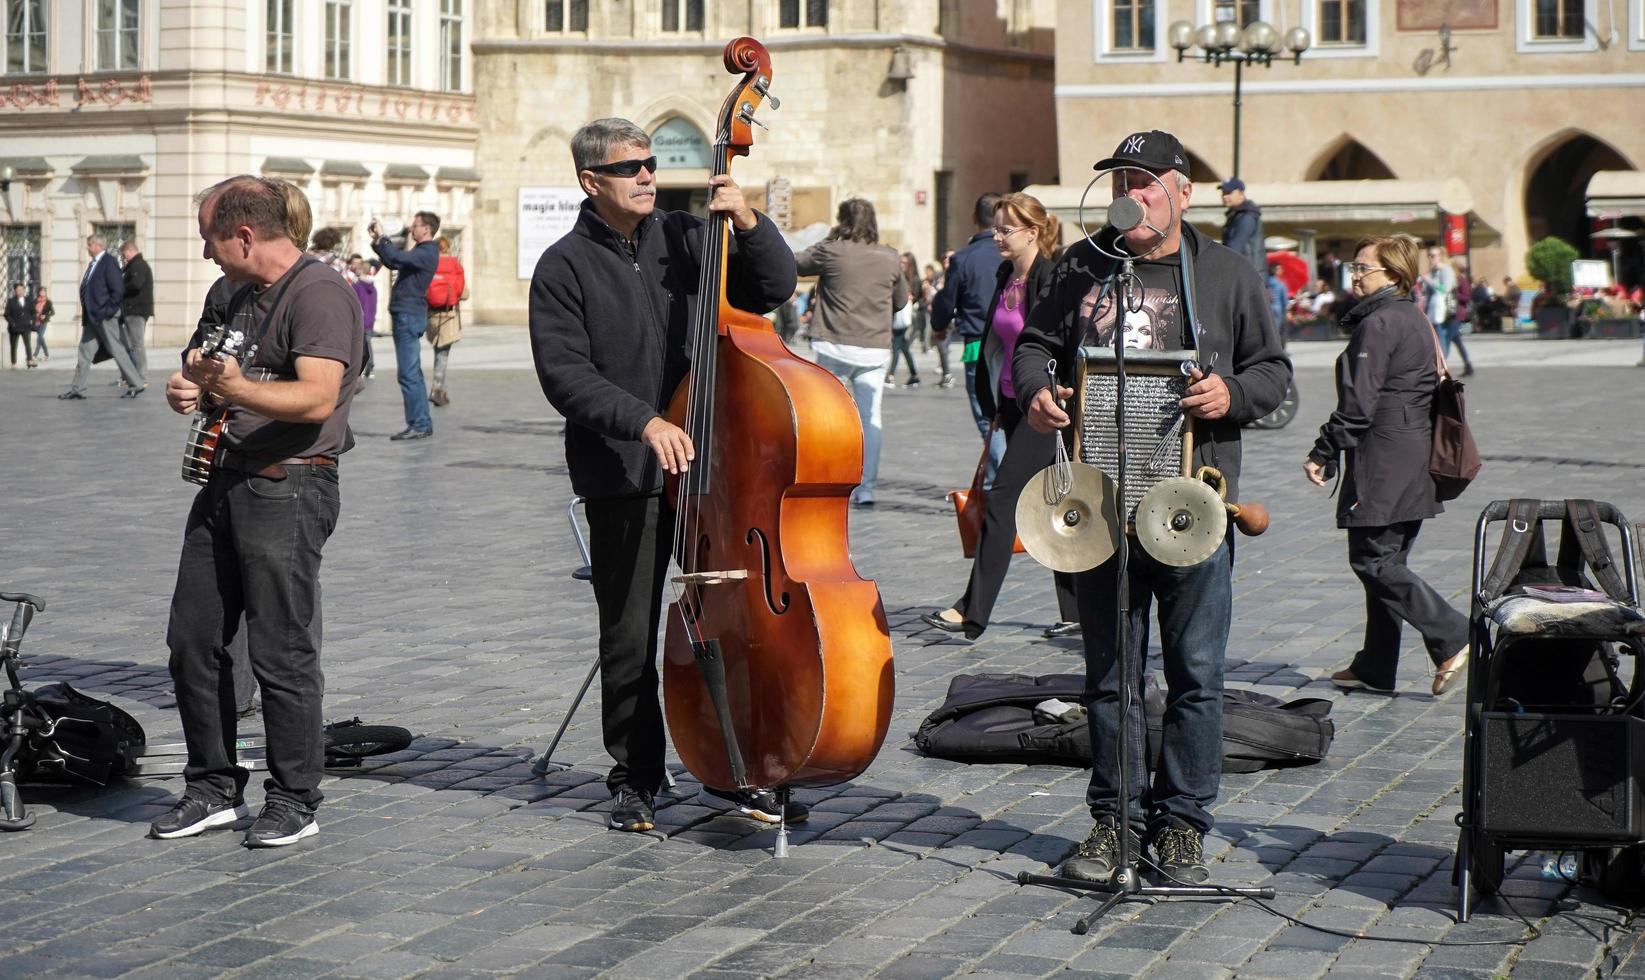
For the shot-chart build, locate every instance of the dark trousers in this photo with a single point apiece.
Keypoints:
(1195, 611)
(28, 344)
(900, 348)
(629, 542)
(1394, 593)
(252, 547)
(1026, 453)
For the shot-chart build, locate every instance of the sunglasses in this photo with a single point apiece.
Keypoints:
(1361, 269)
(625, 168)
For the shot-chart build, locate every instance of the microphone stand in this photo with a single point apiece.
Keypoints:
(1126, 882)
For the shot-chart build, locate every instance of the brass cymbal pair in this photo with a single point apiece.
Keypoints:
(1179, 522)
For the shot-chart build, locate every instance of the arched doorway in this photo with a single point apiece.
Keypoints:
(1555, 189)
(683, 162)
(1199, 171)
(1349, 159)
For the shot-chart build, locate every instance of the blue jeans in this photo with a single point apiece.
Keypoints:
(1195, 610)
(867, 388)
(996, 446)
(1451, 333)
(252, 548)
(408, 356)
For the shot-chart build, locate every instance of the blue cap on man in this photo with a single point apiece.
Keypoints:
(1232, 184)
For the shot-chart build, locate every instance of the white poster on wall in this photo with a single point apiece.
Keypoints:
(546, 214)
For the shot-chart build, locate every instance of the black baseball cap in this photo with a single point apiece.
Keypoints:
(1152, 150)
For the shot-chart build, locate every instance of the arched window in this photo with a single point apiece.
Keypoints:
(679, 145)
(1349, 159)
(1555, 185)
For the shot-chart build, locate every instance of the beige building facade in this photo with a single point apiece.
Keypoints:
(114, 113)
(918, 106)
(1401, 112)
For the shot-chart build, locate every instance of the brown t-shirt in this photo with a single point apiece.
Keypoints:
(318, 316)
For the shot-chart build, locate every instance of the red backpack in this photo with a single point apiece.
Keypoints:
(448, 284)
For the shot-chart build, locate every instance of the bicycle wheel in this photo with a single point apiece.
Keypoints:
(349, 743)
(1280, 417)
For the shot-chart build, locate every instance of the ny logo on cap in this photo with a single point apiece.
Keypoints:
(1133, 144)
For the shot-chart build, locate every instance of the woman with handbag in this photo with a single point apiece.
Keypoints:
(1383, 429)
(1026, 236)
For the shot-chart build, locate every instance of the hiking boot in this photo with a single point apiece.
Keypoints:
(631, 810)
(190, 816)
(281, 823)
(1097, 856)
(761, 804)
(1179, 852)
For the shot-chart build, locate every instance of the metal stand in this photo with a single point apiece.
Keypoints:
(584, 573)
(1127, 882)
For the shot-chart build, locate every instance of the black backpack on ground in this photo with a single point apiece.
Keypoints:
(992, 718)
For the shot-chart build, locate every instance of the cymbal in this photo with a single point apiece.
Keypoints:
(1077, 532)
(1181, 521)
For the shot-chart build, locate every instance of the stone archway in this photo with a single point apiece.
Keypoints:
(1555, 183)
(1199, 171)
(1349, 159)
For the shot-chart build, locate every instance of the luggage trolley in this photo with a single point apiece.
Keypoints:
(1553, 741)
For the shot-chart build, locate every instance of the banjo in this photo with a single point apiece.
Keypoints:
(200, 451)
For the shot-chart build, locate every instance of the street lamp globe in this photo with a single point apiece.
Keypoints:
(1206, 37)
(1227, 35)
(1257, 37)
(1298, 39)
(1181, 34)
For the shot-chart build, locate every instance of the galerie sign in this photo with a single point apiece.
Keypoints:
(546, 214)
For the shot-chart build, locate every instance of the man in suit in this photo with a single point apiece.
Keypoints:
(20, 323)
(137, 306)
(102, 289)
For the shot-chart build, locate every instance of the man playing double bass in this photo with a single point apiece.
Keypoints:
(611, 308)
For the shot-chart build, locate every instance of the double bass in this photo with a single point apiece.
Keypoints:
(777, 659)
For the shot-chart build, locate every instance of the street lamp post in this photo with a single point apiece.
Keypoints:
(1258, 43)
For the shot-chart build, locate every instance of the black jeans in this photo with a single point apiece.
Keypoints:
(629, 540)
(252, 546)
(1393, 593)
(900, 348)
(28, 345)
(1026, 453)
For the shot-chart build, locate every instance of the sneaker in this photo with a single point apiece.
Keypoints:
(631, 810)
(71, 396)
(761, 804)
(946, 381)
(438, 397)
(912, 383)
(1098, 855)
(410, 434)
(890, 382)
(281, 823)
(191, 815)
(1179, 852)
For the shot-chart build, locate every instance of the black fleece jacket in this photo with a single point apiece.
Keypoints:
(610, 332)
(1230, 310)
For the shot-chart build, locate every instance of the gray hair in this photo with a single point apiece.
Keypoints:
(97, 240)
(593, 143)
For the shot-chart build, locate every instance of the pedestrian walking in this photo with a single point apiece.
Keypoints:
(1439, 288)
(1381, 431)
(859, 285)
(445, 319)
(20, 324)
(136, 307)
(1242, 224)
(43, 312)
(902, 325)
(365, 290)
(937, 339)
(408, 311)
(962, 303)
(102, 290)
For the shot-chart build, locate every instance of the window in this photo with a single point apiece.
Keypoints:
(815, 11)
(338, 16)
(278, 33)
(451, 45)
(566, 15)
(20, 246)
(1342, 21)
(1560, 19)
(1133, 25)
(25, 37)
(117, 35)
(1241, 12)
(399, 42)
(114, 233)
(682, 15)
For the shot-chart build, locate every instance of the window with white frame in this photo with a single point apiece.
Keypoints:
(1558, 20)
(117, 35)
(1636, 25)
(802, 13)
(1133, 25)
(277, 35)
(565, 15)
(1556, 26)
(399, 42)
(1241, 12)
(682, 15)
(339, 18)
(25, 22)
(451, 45)
(1341, 22)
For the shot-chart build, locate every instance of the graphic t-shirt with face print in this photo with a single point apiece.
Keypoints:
(1157, 324)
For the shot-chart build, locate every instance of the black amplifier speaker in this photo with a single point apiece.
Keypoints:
(1560, 777)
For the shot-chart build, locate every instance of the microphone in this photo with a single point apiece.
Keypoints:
(1124, 214)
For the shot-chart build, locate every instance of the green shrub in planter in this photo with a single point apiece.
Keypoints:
(1550, 260)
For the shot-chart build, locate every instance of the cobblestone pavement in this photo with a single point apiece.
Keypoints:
(450, 610)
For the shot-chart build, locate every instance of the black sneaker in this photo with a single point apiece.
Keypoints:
(408, 433)
(190, 815)
(761, 804)
(1179, 850)
(281, 823)
(1098, 855)
(631, 810)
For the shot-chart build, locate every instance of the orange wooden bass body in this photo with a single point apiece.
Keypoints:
(803, 637)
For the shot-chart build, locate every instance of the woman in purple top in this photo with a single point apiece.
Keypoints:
(1026, 236)
(366, 291)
